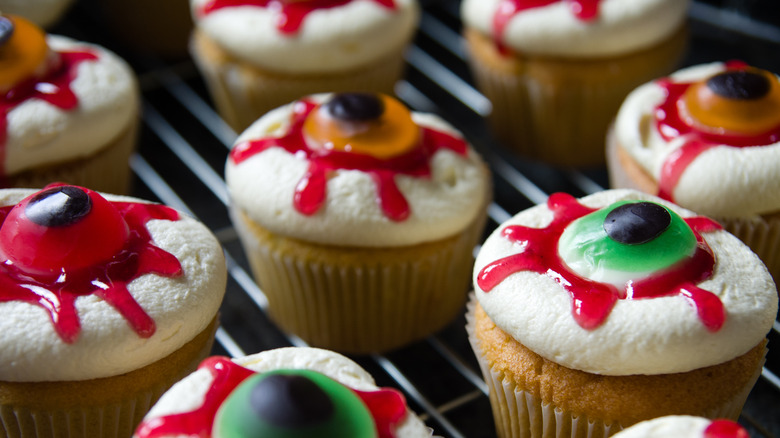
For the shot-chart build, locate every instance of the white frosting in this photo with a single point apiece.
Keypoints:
(677, 426)
(329, 39)
(41, 12)
(645, 336)
(263, 187)
(721, 182)
(106, 346)
(188, 394)
(40, 133)
(621, 26)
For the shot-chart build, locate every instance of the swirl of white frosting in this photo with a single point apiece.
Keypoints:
(39, 133)
(642, 336)
(329, 39)
(678, 426)
(107, 346)
(723, 181)
(188, 394)
(620, 26)
(442, 205)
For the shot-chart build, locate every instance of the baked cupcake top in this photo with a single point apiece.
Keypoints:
(710, 136)
(621, 282)
(99, 285)
(577, 28)
(59, 99)
(307, 36)
(356, 169)
(684, 426)
(319, 392)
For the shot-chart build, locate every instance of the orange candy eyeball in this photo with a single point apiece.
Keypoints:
(362, 123)
(740, 101)
(23, 51)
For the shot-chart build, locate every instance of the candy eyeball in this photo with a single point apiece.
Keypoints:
(626, 241)
(355, 106)
(293, 404)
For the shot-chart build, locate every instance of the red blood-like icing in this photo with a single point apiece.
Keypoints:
(725, 429)
(53, 88)
(671, 125)
(387, 406)
(593, 301)
(585, 10)
(291, 13)
(57, 292)
(310, 193)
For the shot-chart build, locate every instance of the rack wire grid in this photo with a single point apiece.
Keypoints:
(184, 145)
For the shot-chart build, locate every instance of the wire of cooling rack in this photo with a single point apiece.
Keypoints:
(184, 145)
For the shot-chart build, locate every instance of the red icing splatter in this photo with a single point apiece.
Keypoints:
(54, 88)
(593, 301)
(725, 429)
(671, 125)
(387, 406)
(310, 193)
(291, 13)
(585, 10)
(57, 292)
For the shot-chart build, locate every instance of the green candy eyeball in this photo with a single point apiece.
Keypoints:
(627, 240)
(293, 404)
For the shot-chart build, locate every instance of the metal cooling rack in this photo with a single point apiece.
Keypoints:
(184, 145)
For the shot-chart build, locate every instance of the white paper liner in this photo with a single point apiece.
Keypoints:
(519, 414)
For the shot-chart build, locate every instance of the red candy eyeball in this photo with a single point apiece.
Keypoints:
(60, 229)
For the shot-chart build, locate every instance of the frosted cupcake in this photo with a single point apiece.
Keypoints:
(256, 57)
(287, 392)
(594, 314)
(105, 302)
(707, 138)
(684, 426)
(556, 71)
(359, 218)
(68, 111)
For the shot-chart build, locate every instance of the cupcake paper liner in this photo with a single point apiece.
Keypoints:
(518, 413)
(242, 92)
(359, 300)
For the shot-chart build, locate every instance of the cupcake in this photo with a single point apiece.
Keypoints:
(106, 301)
(358, 217)
(68, 111)
(708, 139)
(288, 392)
(44, 13)
(684, 426)
(557, 71)
(256, 57)
(594, 314)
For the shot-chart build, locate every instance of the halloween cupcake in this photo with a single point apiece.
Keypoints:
(288, 392)
(684, 426)
(105, 302)
(358, 217)
(556, 71)
(256, 56)
(594, 314)
(708, 139)
(68, 111)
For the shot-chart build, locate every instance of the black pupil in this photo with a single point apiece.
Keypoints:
(636, 223)
(6, 29)
(58, 206)
(355, 106)
(290, 401)
(740, 85)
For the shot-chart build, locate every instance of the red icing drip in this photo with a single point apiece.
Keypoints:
(585, 10)
(57, 293)
(387, 406)
(593, 301)
(671, 125)
(310, 193)
(725, 429)
(54, 88)
(291, 13)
